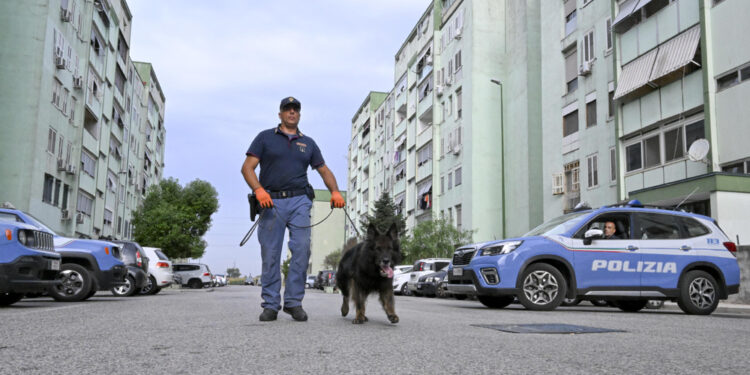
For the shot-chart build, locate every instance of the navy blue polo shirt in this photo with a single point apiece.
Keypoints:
(284, 159)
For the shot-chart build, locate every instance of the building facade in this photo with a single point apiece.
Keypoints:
(329, 235)
(504, 114)
(83, 123)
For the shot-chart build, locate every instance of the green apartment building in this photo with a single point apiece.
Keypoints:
(505, 113)
(83, 124)
(328, 236)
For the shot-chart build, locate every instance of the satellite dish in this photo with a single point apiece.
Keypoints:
(698, 150)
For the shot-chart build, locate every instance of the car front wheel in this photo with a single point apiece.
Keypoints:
(405, 290)
(126, 290)
(150, 287)
(496, 302)
(76, 283)
(698, 293)
(542, 287)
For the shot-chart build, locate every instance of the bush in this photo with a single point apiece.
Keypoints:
(236, 281)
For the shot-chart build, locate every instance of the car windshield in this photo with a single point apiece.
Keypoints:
(558, 225)
(35, 222)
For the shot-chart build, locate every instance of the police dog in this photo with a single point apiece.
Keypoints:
(367, 268)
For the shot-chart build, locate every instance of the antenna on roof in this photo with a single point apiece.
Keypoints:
(689, 195)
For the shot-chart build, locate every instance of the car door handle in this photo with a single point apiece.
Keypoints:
(632, 247)
(685, 247)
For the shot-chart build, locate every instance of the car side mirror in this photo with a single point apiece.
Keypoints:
(592, 234)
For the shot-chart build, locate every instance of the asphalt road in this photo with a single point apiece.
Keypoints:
(217, 331)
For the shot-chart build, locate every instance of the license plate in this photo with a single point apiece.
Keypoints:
(54, 265)
(458, 272)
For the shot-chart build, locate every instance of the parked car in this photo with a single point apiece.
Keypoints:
(87, 265)
(160, 273)
(656, 254)
(423, 267)
(28, 261)
(400, 278)
(249, 280)
(427, 285)
(325, 278)
(310, 282)
(194, 275)
(221, 280)
(135, 259)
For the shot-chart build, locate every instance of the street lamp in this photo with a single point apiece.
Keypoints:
(502, 146)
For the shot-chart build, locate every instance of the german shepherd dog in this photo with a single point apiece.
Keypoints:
(367, 268)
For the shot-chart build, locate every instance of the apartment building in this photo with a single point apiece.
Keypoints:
(329, 235)
(507, 113)
(83, 123)
(681, 68)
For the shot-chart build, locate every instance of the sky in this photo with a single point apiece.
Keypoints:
(225, 65)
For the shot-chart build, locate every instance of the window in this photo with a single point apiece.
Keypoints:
(457, 61)
(694, 132)
(450, 215)
(612, 165)
(692, 227)
(107, 217)
(570, 123)
(458, 104)
(633, 156)
(733, 77)
(442, 184)
(591, 113)
(56, 194)
(593, 171)
(85, 203)
(611, 105)
(588, 46)
(119, 80)
(651, 152)
(66, 191)
(608, 30)
(570, 18)
(424, 154)
(60, 147)
(49, 183)
(450, 180)
(458, 217)
(51, 141)
(655, 227)
(57, 92)
(88, 163)
(673, 148)
(458, 176)
(571, 71)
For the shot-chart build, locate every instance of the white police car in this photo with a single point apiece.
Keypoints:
(654, 254)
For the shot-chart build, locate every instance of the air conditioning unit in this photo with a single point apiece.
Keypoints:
(79, 218)
(66, 15)
(70, 169)
(439, 90)
(61, 165)
(457, 33)
(59, 62)
(584, 69)
(78, 82)
(456, 149)
(65, 214)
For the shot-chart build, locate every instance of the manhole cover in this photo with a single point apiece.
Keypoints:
(545, 328)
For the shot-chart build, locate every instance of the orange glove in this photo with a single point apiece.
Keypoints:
(337, 200)
(263, 198)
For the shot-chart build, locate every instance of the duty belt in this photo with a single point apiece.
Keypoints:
(286, 193)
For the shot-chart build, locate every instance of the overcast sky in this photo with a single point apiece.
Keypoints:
(224, 65)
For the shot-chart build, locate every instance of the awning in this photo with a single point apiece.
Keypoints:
(399, 141)
(626, 9)
(399, 169)
(424, 189)
(397, 201)
(635, 74)
(676, 53)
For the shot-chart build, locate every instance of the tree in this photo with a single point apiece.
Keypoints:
(385, 215)
(285, 267)
(331, 261)
(175, 219)
(233, 272)
(433, 239)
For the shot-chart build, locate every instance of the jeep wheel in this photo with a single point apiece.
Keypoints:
(7, 299)
(631, 305)
(542, 287)
(698, 294)
(150, 286)
(76, 284)
(126, 290)
(496, 302)
(571, 301)
(195, 284)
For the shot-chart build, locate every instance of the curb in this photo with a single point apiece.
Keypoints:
(723, 308)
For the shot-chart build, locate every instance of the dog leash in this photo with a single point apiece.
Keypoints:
(252, 229)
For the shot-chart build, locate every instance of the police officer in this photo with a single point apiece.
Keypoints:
(285, 197)
(609, 231)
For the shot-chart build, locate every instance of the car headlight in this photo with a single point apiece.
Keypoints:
(500, 248)
(22, 237)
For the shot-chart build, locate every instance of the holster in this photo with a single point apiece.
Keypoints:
(254, 206)
(310, 192)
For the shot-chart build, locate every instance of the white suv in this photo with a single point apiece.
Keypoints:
(194, 275)
(160, 273)
(423, 267)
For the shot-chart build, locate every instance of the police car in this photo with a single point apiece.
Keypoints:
(654, 254)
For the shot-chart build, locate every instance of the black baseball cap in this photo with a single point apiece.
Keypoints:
(290, 101)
